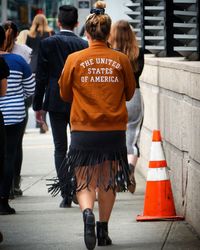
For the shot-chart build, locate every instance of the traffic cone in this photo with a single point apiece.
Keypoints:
(159, 202)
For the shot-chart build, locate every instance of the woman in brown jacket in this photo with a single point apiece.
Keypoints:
(97, 81)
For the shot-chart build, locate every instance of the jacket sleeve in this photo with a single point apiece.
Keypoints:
(140, 64)
(66, 80)
(28, 80)
(129, 79)
(42, 76)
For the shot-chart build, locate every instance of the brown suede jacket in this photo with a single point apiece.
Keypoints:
(98, 81)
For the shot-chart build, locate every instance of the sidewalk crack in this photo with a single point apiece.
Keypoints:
(167, 235)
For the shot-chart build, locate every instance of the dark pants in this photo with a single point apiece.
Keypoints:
(13, 135)
(2, 145)
(59, 122)
(19, 154)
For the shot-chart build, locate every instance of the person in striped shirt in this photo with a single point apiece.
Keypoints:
(21, 85)
(4, 73)
(10, 45)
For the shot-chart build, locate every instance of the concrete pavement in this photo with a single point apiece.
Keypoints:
(40, 224)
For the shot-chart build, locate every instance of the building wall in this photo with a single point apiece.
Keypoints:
(171, 92)
(117, 11)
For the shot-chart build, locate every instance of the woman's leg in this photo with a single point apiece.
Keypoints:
(13, 133)
(132, 159)
(18, 163)
(106, 202)
(135, 120)
(106, 198)
(86, 198)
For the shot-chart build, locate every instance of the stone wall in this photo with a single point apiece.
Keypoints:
(171, 93)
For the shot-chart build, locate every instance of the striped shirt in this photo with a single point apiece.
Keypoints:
(21, 84)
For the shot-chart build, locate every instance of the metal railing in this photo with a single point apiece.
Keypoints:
(167, 27)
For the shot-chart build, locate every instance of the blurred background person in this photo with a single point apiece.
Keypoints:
(97, 81)
(22, 36)
(4, 73)
(11, 46)
(52, 55)
(38, 31)
(21, 84)
(123, 38)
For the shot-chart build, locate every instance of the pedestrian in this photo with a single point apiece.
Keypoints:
(20, 85)
(22, 36)
(11, 46)
(4, 73)
(38, 31)
(123, 38)
(52, 55)
(97, 81)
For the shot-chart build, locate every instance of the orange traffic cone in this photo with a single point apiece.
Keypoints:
(159, 202)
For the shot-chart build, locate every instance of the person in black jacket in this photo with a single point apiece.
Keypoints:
(51, 58)
(38, 31)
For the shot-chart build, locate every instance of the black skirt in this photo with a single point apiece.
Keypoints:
(88, 153)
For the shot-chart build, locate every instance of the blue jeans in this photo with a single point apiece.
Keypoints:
(59, 123)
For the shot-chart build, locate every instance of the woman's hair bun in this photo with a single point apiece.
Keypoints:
(100, 5)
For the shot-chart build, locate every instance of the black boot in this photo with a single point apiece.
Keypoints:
(66, 202)
(89, 229)
(120, 182)
(12, 195)
(132, 182)
(17, 189)
(5, 208)
(74, 199)
(102, 234)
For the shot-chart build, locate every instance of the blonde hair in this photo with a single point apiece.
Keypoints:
(39, 26)
(123, 38)
(98, 23)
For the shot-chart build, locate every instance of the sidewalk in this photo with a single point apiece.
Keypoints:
(40, 224)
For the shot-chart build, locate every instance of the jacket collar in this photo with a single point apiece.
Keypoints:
(95, 43)
(66, 32)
